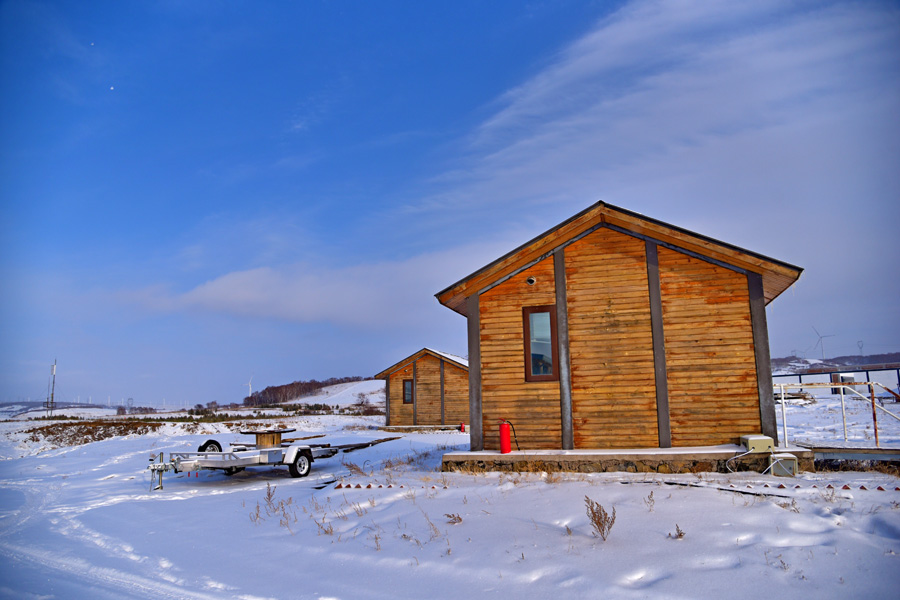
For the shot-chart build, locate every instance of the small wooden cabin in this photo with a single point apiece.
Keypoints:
(614, 330)
(427, 388)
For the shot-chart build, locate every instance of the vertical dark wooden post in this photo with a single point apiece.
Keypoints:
(474, 329)
(415, 392)
(442, 392)
(562, 338)
(663, 421)
(387, 401)
(763, 359)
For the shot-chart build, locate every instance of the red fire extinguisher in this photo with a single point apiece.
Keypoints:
(505, 446)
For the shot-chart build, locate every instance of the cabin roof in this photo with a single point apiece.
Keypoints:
(777, 276)
(459, 361)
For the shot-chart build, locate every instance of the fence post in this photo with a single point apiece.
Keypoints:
(783, 417)
(843, 413)
(874, 414)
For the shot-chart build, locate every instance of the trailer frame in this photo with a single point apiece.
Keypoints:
(268, 449)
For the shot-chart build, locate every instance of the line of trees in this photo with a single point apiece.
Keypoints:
(278, 394)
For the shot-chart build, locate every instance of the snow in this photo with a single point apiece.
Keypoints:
(459, 359)
(80, 522)
(818, 420)
(78, 413)
(345, 394)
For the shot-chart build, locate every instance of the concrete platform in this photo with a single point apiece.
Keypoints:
(418, 428)
(639, 460)
(851, 451)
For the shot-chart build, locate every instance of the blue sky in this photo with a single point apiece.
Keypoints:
(194, 193)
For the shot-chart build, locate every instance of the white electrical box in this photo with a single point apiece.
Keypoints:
(758, 443)
(783, 465)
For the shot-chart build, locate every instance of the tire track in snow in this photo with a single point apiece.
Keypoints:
(41, 509)
(106, 578)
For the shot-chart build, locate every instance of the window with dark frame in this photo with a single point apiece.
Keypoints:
(407, 391)
(539, 325)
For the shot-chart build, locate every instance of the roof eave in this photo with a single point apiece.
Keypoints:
(413, 358)
(781, 274)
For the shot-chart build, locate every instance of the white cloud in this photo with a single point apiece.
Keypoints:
(372, 296)
(662, 81)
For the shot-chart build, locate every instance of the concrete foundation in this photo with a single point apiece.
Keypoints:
(653, 460)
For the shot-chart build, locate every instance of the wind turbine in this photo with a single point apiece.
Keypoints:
(821, 341)
(250, 387)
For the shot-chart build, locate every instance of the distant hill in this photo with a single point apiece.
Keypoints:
(279, 394)
(794, 364)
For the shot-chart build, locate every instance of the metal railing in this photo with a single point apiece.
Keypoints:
(841, 386)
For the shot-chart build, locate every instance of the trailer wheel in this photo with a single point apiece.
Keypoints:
(232, 470)
(210, 446)
(301, 466)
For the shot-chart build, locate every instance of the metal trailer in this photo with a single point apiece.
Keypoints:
(269, 449)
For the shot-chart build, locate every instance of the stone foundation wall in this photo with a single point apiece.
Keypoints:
(600, 464)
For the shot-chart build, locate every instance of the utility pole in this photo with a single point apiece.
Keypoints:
(50, 404)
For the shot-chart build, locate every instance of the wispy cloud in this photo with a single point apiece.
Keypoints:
(373, 296)
(658, 84)
(225, 241)
(318, 106)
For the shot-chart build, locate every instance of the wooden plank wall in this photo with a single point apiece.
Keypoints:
(401, 414)
(456, 395)
(532, 407)
(611, 342)
(710, 358)
(428, 390)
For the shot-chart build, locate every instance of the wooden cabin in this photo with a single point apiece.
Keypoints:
(427, 388)
(614, 330)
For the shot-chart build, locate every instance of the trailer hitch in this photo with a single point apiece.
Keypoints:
(156, 471)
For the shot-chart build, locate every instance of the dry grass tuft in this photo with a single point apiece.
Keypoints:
(355, 469)
(679, 533)
(601, 521)
(453, 518)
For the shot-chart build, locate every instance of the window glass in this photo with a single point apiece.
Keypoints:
(541, 343)
(539, 325)
(407, 391)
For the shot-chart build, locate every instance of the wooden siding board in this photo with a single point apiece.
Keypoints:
(532, 407)
(401, 414)
(456, 394)
(610, 342)
(428, 391)
(713, 398)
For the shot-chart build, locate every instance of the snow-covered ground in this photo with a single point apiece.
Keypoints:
(80, 522)
(819, 420)
(345, 394)
(99, 412)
